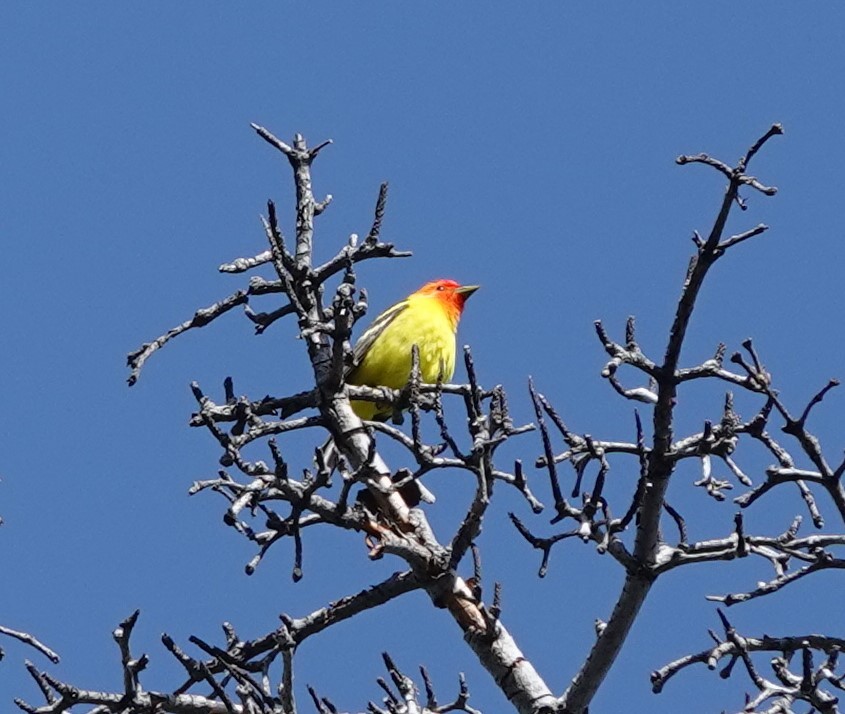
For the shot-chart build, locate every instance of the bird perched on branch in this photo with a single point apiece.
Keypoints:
(427, 318)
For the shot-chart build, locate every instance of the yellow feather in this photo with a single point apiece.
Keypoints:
(424, 319)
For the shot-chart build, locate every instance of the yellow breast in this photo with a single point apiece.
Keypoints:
(387, 363)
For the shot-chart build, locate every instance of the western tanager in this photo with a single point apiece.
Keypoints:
(427, 318)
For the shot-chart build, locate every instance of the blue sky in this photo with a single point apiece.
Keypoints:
(528, 149)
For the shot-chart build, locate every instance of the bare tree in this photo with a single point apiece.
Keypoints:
(267, 504)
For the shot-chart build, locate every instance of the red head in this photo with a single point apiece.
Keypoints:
(449, 294)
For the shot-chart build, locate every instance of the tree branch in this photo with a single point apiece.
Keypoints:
(661, 464)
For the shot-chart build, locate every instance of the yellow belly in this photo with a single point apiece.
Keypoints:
(388, 361)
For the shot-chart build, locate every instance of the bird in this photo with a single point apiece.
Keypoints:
(427, 318)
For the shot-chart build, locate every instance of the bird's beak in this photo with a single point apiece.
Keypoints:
(466, 290)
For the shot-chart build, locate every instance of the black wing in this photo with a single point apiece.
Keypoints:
(371, 334)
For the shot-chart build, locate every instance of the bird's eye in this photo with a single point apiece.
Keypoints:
(440, 287)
